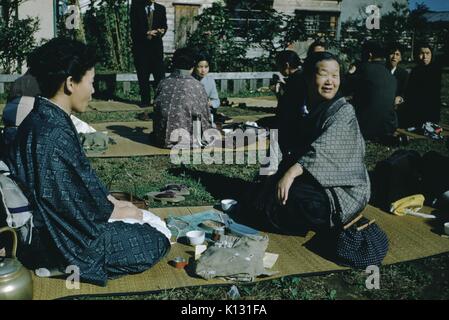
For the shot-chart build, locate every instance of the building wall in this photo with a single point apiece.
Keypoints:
(348, 9)
(169, 38)
(289, 6)
(44, 10)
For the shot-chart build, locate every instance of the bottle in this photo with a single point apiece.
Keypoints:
(196, 123)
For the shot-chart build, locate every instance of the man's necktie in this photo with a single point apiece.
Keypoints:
(150, 18)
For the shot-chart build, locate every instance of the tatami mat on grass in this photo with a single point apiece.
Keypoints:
(410, 238)
(133, 139)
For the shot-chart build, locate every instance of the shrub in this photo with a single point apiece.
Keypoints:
(16, 42)
(215, 36)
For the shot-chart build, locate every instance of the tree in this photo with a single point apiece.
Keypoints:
(16, 37)
(269, 32)
(107, 26)
(9, 9)
(394, 27)
(418, 24)
(76, 31)
(215, 36)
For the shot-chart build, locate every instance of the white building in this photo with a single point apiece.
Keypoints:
(45, 10)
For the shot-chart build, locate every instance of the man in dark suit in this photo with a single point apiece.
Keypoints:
(374, 90)
(148, 26)
(394, 58)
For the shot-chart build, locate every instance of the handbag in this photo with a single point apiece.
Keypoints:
(361, 243)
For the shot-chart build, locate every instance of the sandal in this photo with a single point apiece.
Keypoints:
(179, 189)
(165, 196)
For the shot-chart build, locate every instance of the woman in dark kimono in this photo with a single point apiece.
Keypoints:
(423, 94)
(71, 207)
(322, 180)
(291, 96)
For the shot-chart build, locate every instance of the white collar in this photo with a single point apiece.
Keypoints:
(55, 104)
(393, 70)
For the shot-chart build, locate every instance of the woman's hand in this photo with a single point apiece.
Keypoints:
(286, 182)
(283, 188)
(398, 100)
(120, 203)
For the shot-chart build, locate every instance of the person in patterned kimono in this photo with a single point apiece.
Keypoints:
(180, 100)
(71, 206)
(322, 180)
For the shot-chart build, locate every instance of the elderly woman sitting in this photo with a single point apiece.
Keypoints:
(322, 180)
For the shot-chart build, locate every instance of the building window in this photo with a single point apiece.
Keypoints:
(319, 23)
(247, 15)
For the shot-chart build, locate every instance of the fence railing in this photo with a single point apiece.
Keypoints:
(227, 82)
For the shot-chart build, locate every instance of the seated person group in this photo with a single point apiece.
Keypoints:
(322, 181)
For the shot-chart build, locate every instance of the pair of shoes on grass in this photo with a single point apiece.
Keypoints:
(170, 193)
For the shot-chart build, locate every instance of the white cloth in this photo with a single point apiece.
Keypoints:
(81, 126)
(150, 218)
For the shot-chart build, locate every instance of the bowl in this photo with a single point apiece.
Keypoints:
(446, 228)
(196, 237)
(227, 204)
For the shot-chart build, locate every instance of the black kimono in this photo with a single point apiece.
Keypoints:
(374, 90)
(70, 205)
(289, 109)
(423, 96)
(401, 76)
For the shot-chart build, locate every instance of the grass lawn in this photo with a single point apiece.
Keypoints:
(129, 116)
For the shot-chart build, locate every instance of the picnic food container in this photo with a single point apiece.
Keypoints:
(179, 263)
(15, 279)
(196, 237)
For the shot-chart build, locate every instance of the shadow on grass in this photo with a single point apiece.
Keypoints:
(323, 245)
(126, 100)
(135, 134)
(222, 187)
(442, 216)
(107, 95)
(261, 109)
(218, 185)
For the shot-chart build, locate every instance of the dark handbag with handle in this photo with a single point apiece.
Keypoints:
(361, 243)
